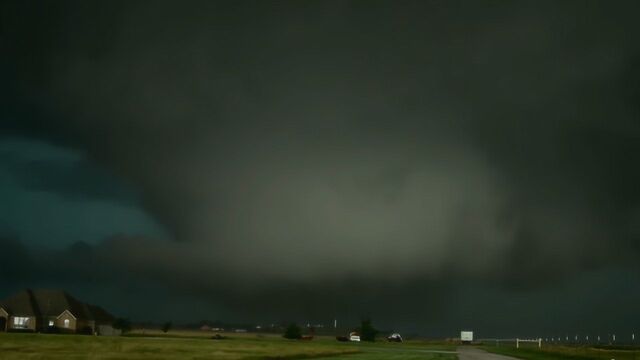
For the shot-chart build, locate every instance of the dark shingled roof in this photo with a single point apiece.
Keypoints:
(46, 303)
(99, 314)
(54, 302)
(20, 304)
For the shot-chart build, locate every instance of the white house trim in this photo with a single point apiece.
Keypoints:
(68, 312)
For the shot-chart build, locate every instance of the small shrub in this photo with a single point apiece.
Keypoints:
(367, 331)
(293, 331)
(166, 327)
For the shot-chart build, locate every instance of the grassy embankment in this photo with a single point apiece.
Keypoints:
(566, 353)
(195, 345)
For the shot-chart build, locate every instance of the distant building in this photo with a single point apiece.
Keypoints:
(53, 311)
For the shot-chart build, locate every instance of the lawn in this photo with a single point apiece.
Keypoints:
(565, 352)
(191, 346)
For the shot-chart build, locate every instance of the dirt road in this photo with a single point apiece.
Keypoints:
(471, 353)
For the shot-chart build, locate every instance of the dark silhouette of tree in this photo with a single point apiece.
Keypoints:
(367, 331)
(166, 327)
(293, 331)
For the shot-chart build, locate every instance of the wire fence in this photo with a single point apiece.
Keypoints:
(571, 340)
(513, 342)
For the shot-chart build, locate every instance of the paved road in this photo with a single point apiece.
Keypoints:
(407, 349)
(471, 353)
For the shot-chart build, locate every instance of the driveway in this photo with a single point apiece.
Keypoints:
(471, 353)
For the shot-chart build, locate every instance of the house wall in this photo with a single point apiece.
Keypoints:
(75, 325)
(59, 322)
(31, 323)
(46, 321)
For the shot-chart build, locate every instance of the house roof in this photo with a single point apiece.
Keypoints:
(55, 302)
(20, 304)
(99, 314)
(46, 303)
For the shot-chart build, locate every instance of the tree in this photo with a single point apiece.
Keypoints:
(122, 324)
(293, 331)
(367, 331)
(166, 327)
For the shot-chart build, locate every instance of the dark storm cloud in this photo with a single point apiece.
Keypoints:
(134, 262)
(68, 175)
(304, 145)
(11, 268)
(45, 188)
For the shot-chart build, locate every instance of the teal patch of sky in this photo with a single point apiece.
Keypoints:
(50, 218)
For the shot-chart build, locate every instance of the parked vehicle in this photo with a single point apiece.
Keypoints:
(354, 336)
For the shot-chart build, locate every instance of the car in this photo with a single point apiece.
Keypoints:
(395, 337)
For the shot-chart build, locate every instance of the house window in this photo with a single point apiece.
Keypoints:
(66, 323)
(50, 322)
(20, 322)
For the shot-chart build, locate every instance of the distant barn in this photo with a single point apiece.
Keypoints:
(53, 311)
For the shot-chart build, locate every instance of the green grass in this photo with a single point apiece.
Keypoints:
(195, 345)
(564, 353)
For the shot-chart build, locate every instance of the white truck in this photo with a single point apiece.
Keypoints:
(354, 336)
(466, 337)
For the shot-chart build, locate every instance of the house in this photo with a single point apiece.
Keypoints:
(52, 311)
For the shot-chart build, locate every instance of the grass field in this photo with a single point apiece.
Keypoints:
(565, 352)
(195, 345)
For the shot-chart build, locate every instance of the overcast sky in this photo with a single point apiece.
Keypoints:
(435, 165)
